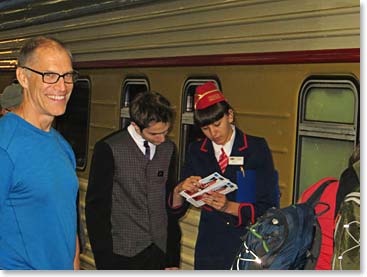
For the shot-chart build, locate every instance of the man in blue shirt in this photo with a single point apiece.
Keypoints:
(38, 183)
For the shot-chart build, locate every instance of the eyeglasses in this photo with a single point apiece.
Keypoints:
(53, 77)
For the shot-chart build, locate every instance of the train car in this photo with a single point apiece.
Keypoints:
(290, 68)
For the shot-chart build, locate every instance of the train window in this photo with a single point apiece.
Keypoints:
(73, 124)
(130, 88)
(189, 132)
(323, 104)
(327, 130)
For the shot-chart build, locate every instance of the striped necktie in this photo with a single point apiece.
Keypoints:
(223, 161)
(147, 150)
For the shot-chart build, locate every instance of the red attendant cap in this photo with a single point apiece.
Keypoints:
(207, 95)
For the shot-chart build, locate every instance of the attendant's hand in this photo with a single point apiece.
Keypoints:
(216, 200)
(190, 184)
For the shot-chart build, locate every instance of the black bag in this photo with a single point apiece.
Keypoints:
(282, 238)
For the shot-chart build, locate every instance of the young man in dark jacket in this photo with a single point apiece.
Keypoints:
(126, 200)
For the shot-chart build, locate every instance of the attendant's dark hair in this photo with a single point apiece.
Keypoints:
(211, 114)
(150, 107)
(31, 45)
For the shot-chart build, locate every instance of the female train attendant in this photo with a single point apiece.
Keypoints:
(245, 160)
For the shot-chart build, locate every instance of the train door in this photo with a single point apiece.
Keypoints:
(328, 127)
(189, 133)
(130, 88)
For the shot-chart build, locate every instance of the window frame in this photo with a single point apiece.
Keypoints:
(323, 129)
(124, 109)
(86, 144)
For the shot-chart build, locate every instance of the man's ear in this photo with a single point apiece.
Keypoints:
(230, 115)
(136, 127)
(22, 78)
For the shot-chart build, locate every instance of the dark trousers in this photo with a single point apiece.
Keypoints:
(151, 258)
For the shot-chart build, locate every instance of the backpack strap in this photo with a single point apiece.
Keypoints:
(315, 197)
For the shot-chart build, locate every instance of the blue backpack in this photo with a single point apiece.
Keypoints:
(282, 238)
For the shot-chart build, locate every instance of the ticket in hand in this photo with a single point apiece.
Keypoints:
(213, 182)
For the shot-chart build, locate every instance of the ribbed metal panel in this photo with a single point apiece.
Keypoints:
(179, 28)
(21, 13)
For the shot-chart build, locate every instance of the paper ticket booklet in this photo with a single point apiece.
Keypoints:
(213, 182)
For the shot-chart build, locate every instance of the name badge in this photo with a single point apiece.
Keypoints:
(235, 161)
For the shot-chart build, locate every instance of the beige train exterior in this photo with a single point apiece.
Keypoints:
(265, 96)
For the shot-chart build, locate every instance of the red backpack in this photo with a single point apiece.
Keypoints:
(323, 244)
